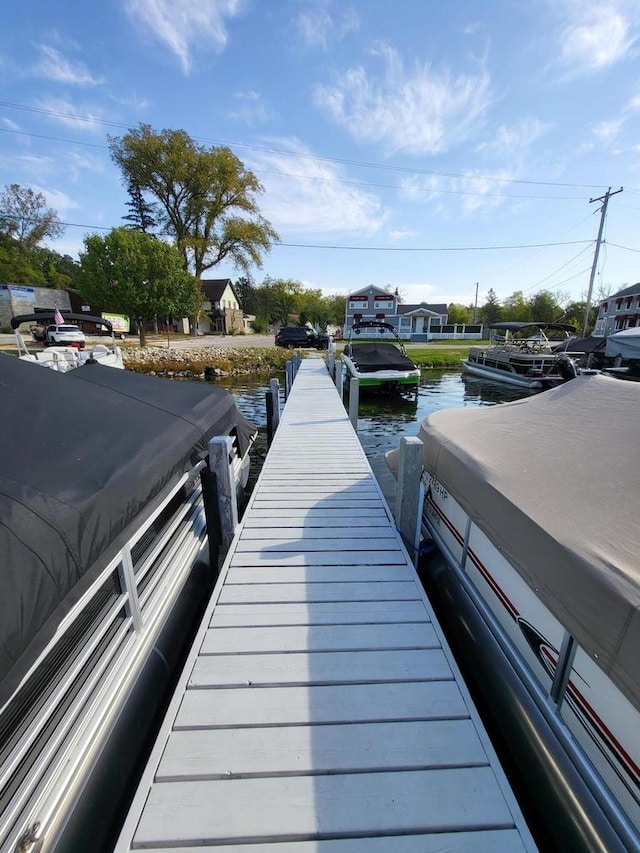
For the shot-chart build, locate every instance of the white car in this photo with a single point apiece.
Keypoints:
(65, 335)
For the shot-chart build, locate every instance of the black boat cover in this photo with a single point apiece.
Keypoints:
(85, 457)
(369, 358)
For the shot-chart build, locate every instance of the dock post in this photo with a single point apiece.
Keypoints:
(339, 378)
(288, 378)
(269, 406)
(409, 492)
(274, 387)
(331, 358)
(220, 450)
(354, 393)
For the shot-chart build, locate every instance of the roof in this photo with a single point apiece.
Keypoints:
(439, 309)
(213, 288)
(554, 482)
(628, 291)
(372, 287)
(84, 459)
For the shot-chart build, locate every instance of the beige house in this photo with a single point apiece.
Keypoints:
(221, 307)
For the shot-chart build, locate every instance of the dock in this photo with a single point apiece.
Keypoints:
(320, 709)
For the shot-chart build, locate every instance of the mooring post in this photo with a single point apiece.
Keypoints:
(220, 452)
(409, 492)
(269, 405)
(288, 378)
(339, 377)
(331, 357)
(354, 393)
(274, 387)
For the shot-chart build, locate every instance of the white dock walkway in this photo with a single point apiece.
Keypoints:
(320, 710)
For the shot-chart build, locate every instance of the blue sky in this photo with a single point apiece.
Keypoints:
(408, 144)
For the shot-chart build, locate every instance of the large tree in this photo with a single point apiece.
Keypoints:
(25, 217)
(205, 197)
(133, 273)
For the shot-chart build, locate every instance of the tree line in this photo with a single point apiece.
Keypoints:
(189, 208)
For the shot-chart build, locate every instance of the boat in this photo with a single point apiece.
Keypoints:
(528, 362)
(533, 509)
(379, 364)
(65, 358)
(109, 555)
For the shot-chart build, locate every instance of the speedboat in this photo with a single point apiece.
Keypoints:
(109, 555)
(533, 508)
(65, 358)
(379, 364)
(529, 362)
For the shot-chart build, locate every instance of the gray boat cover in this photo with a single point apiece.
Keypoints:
(84, 458)
(554, 482)
(625, 344)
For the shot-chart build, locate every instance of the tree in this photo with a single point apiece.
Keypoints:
(247, 296)
(140, 216)
(205, 196)
(133, 273)
(516, 308)
(25, 217)
(491, 311)
(544, 307)
(459, 314)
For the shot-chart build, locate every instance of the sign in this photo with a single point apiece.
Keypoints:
(119, 322)
(19, 293)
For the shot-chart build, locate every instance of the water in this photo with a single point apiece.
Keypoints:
(383, 419)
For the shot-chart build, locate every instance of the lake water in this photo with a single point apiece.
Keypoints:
(383, 420)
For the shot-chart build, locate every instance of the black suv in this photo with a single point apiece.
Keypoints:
(301, 336)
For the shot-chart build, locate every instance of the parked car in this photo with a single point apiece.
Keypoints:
(66, 335)
(301, 336)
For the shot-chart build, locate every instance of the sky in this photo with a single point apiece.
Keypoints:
(445, 149)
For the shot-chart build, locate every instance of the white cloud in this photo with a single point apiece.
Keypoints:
(318, 28)
(470, 192)
(58, 200)
(420, 112)
(9, 124)
(596, 36)
(305, 196)
(55, 67)
(183, 25)
(79, 116)
(608, 130)
(250, 108)
(511, 140)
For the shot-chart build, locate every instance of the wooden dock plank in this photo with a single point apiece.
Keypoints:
(319, 638)
(320, 668)
(308, 807)
(279, 592)
(318, 750)
(317, 574)
(321, 704)
(319, 613)
(479, 841)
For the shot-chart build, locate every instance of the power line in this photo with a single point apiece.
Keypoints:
(431, 248)
(265, 149)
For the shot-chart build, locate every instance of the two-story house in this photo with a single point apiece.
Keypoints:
(618, 312)
(412, 322)
(221, 306)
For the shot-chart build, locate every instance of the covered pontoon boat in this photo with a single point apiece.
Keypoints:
(379, 364)
(535, 506)
(105, 566)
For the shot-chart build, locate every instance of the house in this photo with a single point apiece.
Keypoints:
(618, 312)
(222, 308)
(420, 322)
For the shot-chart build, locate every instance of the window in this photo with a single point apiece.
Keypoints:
(405, 322)
(358, 302)
(383, 302)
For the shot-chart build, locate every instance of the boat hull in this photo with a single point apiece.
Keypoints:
(381, 379)
(592, 730)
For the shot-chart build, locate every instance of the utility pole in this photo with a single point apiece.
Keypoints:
(475, 307)
(603, 212)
